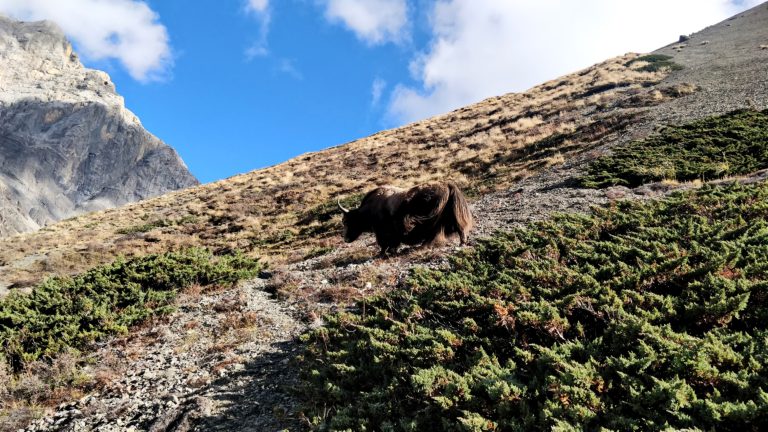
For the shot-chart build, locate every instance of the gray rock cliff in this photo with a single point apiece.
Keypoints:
(68, 145)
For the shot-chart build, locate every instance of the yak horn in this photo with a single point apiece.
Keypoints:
(341, 207)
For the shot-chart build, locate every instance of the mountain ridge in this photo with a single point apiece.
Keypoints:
(68, 144)
(483, 146)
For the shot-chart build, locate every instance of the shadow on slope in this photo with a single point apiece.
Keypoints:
(259, 397)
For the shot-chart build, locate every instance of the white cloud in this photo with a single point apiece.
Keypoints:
(377, 90)
(259, 9)
(257, 49)
(257, 6)
(126, 30)
(373, 21)
(288, 67)
(482, 48)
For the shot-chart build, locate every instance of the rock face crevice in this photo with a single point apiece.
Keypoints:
(68, 145)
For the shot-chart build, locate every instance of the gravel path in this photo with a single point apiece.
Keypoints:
(199, 370)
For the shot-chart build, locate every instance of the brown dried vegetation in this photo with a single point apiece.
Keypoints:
(481, 147)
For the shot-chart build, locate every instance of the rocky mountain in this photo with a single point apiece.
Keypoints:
(68, 145)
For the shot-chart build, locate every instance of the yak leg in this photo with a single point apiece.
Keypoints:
(387, 251)
(387, 243)
(436, 238)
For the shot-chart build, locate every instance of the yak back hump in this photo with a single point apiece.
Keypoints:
(382, 202)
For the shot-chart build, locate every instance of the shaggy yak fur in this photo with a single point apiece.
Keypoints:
(426, 214)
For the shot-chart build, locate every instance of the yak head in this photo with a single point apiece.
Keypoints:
(354, 223)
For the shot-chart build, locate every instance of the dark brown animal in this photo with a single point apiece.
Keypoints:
(426, 214)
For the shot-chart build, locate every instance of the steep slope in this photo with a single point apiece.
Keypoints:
(288, 207)
(544, 134)
(222, 359)
(68, 145)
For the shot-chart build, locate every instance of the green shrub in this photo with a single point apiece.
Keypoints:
(72, 312)
(642, 316)
(656, 62)
(731, 144)
(188, 219)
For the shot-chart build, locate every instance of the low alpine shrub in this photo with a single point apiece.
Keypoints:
(66, 313)
(712, 148)
(655, 63)
(641, 316)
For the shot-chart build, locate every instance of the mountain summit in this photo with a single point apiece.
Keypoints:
(68, 145)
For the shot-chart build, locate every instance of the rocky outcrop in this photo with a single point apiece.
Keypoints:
(68, 145)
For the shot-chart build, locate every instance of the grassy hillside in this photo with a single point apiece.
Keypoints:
(531, 330)
(281, 212)
(644, 316)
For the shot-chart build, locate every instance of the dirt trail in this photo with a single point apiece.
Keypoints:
(219, 362)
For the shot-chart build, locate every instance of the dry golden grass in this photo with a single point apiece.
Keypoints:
(483, 146)
(24, 396)
(238, 320)
(556, 159)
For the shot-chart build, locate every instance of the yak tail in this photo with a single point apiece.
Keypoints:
(461, 221)
(450, 215)
(455, 217)
(432, 218)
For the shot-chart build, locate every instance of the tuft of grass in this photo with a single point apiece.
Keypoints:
(318, 251)
(655, 63)
(188, 219)
(712, 148)
(142, 228)
(641, 316)
(162, 223)
(353, 256)
(277, 238)
(69, 313)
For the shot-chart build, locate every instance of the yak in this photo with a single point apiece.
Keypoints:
(425, 215)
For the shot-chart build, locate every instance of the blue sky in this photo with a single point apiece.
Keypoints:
(227, 113)
(235, 85)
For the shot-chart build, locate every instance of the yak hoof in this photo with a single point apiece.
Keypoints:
(387, 252)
